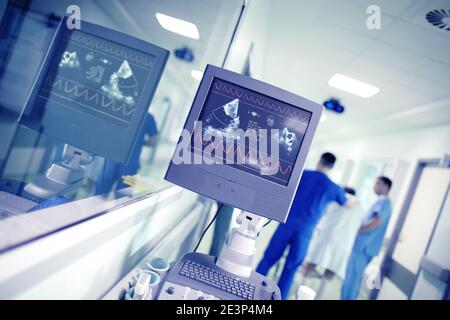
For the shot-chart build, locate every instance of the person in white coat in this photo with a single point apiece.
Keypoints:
(335, 235)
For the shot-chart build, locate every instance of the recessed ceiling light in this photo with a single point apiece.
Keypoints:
(356, 87)
(197, 75)
(182, 27)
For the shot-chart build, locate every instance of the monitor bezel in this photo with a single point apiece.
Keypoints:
(129, 134)
(234, 174)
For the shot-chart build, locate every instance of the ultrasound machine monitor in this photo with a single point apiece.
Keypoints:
(94, 89)
(233, 168)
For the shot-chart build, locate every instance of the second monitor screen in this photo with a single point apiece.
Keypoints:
(96, 76)
(229, 107)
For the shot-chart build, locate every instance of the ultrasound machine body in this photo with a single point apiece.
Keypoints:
(227, 101)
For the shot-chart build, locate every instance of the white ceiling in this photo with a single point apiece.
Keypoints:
(215, 21)
(408, 59)
(309, 41)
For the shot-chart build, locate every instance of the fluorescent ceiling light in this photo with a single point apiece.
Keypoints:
(185, 28)
(356, 87)
(197, 75)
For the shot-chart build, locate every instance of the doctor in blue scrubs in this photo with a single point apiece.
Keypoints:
(369, 241)
(113, 171)
(314, 192)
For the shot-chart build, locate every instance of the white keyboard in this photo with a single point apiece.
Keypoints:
(14, 204)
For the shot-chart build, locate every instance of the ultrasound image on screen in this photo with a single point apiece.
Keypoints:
(229, 107)
(96, 76)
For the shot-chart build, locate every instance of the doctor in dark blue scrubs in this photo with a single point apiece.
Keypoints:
(314, 192)
(369, 241)
(113, 171)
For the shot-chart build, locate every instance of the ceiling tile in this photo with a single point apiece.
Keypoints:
(337, 37)
(381, 75)
(419, 40)
(391, 7)
(419, 17)
(391, 55)
(435, 71)
(353, 17)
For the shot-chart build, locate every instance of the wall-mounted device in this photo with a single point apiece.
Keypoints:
(185, 54)
(334, 105)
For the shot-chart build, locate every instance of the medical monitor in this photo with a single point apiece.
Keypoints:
(245, 143)
(94, 89)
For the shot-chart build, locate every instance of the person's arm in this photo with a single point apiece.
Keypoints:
(351, 201)
(150, 140)
(374, 223)
(344, 199)
(151, 134)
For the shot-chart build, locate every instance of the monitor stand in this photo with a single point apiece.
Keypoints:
(61, 176)
(198, 276)
(239, 250)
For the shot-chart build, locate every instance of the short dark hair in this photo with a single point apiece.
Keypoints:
(350, 190)
(327, 160)
(386, 181)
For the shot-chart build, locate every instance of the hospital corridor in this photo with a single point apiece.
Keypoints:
(240, 150)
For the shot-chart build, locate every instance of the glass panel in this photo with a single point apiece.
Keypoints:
(30, 159)
(428, 287)
(438, 250)
(421, 217)
(364, 181)
(389, 291)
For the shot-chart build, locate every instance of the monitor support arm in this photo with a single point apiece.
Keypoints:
(238, 252)
(61, 176)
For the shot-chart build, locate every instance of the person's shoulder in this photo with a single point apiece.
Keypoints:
(388, 203)
(307, 174)
(319, 178)
(324, 180)
(330, 182)
(313, 173)
(150, 119)
(384, 200)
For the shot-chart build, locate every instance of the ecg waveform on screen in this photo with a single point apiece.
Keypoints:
(91, 99)
(258, 100)
(219, 147)
(112, 49)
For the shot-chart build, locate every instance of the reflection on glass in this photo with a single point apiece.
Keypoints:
(367, 174)
(102, 88)
(113, 173)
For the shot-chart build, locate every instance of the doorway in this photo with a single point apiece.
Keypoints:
(414, 260)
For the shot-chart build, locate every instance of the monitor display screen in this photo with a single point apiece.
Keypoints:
(95, 87)
(96, 76)
(229, 107)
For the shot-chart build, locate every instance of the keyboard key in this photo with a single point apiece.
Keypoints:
(217, 279)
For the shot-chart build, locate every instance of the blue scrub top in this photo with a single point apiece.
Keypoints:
(113, 171)
(314, 193)
(371, 242)
(149, 129)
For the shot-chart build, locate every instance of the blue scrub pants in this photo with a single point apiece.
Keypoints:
(356, 265)
(283, 237)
